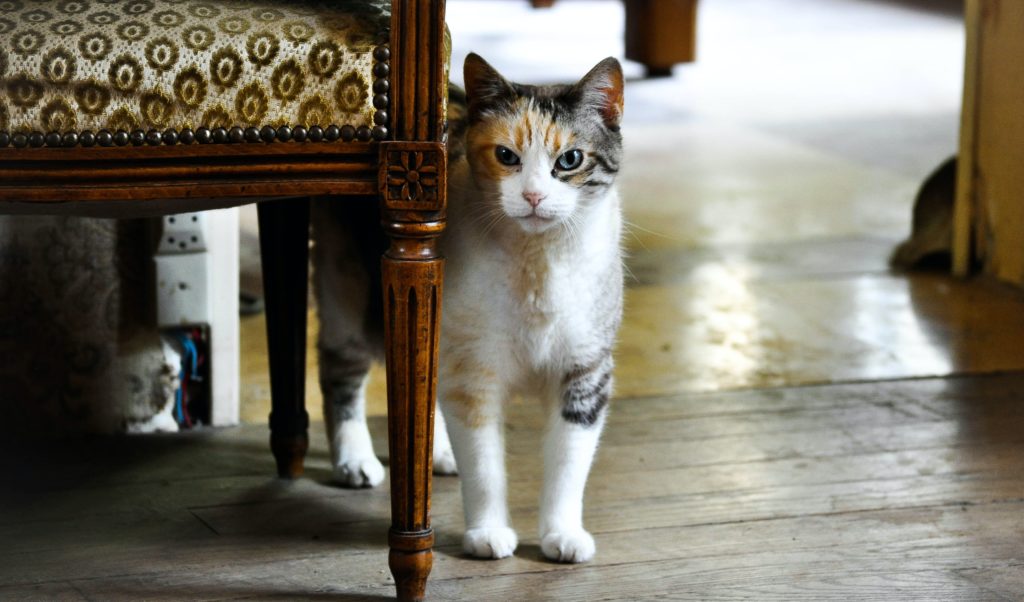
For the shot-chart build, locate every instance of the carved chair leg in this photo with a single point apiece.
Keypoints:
(412, 280)
(284, 251)
(413, 186)
(412, 181)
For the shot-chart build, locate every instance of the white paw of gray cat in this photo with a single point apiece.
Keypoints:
(444, 462)
(568, 546)
(490, 542)
(359, 472)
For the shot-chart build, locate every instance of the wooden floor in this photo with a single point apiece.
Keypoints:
(793, 421)
(892, 490)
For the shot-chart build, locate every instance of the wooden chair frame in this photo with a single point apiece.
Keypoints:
(401, 163)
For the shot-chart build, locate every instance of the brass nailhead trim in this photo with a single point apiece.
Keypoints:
(381, 85)
(203, 135)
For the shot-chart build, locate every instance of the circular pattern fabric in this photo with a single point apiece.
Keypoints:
(153, 64)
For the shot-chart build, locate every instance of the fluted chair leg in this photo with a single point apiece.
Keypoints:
(412, 276)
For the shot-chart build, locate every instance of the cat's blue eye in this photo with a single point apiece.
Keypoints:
(570, 160)
(506, 156)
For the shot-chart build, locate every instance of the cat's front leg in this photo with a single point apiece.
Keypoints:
(346, 346)
(343, 375)
(573, 432)
(475, 425)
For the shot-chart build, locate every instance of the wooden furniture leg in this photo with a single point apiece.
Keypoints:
(413, 192)
(661, 33)
(412, 278)
(284, 252)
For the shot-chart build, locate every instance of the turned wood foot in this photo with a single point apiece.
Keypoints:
(289, 453)
(410, 561)
(284, 251)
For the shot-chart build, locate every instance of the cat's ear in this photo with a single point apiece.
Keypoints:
(601, 89)
(485, 87)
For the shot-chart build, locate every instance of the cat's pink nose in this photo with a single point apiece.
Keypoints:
(534, 198)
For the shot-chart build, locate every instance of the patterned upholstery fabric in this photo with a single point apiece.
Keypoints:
(91, 65)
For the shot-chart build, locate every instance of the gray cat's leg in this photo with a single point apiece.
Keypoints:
(346, 348)
(343, 375)
(574, 427)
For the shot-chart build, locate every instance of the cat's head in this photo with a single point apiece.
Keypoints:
(543, 153)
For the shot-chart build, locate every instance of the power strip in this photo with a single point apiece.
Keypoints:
(184, 233)
(182, 271)
(183, 298)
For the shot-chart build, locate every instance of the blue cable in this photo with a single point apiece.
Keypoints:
(190, 356)
(193, 353)
(177, 404)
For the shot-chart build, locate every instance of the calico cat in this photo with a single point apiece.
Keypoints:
(533, 300)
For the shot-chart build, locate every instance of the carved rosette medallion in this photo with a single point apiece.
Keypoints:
(413, 175)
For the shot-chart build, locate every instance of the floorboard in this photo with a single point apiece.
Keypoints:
(754, 515)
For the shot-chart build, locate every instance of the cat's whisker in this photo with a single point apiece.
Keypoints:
(573, 228)
(485, 218)
(489, 215)
(629, 232)
(498, 217)
(631, 226)
(482, 212)
(629, 273)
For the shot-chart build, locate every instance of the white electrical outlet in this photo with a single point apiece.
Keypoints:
(184, 233)
(182, 289)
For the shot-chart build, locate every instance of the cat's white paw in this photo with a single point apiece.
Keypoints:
(490, 542)
(568, 546)
(444, 461)
(359, 472)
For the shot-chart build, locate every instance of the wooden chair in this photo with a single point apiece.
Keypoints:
(111, 109)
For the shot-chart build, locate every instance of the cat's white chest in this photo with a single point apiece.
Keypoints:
(535, 282)
(552, 313)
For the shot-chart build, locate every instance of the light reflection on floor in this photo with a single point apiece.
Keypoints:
(765, 186)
